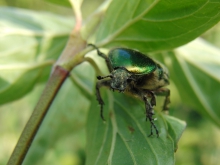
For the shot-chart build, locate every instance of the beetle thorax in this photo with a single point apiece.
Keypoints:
(120, 77)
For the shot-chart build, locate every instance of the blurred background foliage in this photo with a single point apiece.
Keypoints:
(199, 145)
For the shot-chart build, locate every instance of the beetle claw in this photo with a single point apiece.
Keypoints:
(99, 77)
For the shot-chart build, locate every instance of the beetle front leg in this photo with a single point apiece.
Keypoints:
(149, 115)
(103, 56)
(99, 97)
(164, 92)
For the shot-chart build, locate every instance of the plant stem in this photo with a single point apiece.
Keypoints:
(72, 55)
(78, 15)
(55, 81)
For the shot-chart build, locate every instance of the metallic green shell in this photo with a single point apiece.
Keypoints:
(134, 61)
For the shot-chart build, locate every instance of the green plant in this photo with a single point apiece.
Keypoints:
(33, 41)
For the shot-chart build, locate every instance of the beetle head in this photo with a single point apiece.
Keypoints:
(120, 77)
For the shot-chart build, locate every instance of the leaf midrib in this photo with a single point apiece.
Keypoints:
(105, 41)
(114, 127)
(111, 37)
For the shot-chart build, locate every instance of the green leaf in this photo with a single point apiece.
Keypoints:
(200, 63)
(176, 128)
(65, 3)
(65, 120)
(23, 81)
(194, 68)
(123, 138)
(30, 42)
(156, 25)
(213, 35)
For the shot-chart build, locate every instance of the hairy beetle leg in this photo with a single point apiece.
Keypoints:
(99, 98)
(100, 77)
(99, 84)
(153, 126)
(103, 56)
(164, 92)
(153, 98)
(149, 115)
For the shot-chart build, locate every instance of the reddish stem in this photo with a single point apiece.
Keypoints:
(55, 81)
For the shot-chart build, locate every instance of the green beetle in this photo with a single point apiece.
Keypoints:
(135, 73)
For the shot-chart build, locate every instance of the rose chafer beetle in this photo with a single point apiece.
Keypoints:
(135, 73)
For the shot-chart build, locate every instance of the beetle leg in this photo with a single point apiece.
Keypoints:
(100, 77)
(164, 92)
(144, 95)
(99, 84)
(149, 115)
(153, 98)
(103, 56)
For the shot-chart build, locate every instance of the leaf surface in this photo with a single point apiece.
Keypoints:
(156, 25)
(199, 66)
(30, 42)
(194, 69)
(65, 3)
(123, 138)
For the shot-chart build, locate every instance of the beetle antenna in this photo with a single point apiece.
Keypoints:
(100, 77)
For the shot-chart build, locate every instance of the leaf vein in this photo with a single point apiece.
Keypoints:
(103, 143)
(132, 16)
(130, 151)
(105, 41)
(166, 39)
(174, 19)
(114, 125)
(116, 16)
